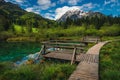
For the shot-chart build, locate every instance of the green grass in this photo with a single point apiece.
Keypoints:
(34, 30)
(109, 61)
(105, 38)
(44, 71)
(20, 29)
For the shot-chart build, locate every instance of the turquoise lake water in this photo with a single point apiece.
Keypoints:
(13, 51)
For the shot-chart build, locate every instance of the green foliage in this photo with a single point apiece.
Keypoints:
(25, 73)
(109, 61)
(5, 66)
(110, 30)
(5, 35)
(98, 20)
(21, 33)
(46, 71)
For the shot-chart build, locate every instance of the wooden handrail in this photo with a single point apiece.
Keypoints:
(65, 47)
(62, 44)
(65, 41)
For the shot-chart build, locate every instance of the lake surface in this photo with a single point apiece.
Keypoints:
(13, 51)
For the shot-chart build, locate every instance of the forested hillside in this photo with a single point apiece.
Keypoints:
(12, 14)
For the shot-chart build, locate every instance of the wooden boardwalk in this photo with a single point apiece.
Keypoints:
(85, 71)
(88, 70)
(68, 56)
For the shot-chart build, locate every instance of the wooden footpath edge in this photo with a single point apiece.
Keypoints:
(88, 70)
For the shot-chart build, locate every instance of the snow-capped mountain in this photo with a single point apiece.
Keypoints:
(77, 14)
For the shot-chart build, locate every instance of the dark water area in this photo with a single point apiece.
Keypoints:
(13, 51)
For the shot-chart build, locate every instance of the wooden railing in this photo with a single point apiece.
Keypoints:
(73, 45)
(95, 39)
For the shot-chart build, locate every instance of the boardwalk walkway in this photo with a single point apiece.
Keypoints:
(88, 70)
(68, 56)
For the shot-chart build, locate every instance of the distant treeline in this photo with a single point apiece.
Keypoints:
(97, 21)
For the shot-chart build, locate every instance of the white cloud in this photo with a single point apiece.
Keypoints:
(73, 2)
(89, 6)
(49, 16)
(24, 3)
(53, 4)
(70, 2)
(20, 1)
(62, 1)
(110, 1)
(34, 9)
(45, 4)
(60, 11)
(29, 9)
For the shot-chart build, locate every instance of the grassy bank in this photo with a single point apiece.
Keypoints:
(109, 61)
(44, 71)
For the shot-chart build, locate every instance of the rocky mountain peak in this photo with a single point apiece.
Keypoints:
(73, 14)
(77, 14)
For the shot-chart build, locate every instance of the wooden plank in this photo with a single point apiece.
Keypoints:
(58, 56)
(71, 57)
(85, 71)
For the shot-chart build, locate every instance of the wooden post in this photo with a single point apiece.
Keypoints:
(44, 49)
(73, 56)
(97, 40)
(100, 38)
(40, 53)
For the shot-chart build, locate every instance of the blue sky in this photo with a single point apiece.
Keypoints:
(53, 9)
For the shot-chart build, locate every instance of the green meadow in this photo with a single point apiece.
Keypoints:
(109, 61)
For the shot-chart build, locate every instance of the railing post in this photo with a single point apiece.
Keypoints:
(73, 56)
(44, 49)
(40, 53)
